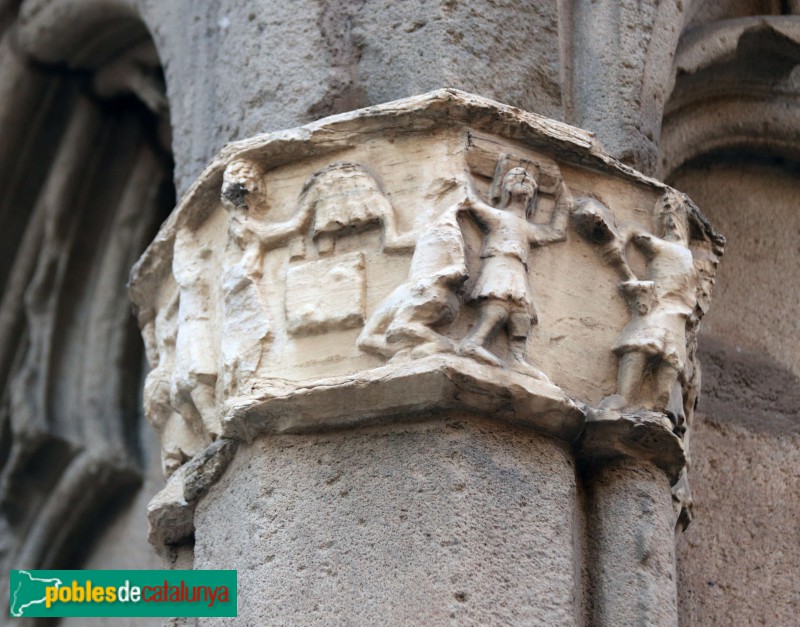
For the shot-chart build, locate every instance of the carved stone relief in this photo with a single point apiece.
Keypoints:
(339, 283)
(345, 278)
(657, 345)
(407, 322)
(502, 289)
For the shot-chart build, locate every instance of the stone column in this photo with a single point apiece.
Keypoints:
(632, 572)
(427, 362)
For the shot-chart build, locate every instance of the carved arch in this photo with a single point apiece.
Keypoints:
(737, 88)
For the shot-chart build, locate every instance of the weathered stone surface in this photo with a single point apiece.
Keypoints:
(405, 391)
(171, 513)
(619, 72)
(736, 560)
(646, 436)
(631, 515)
(757, 201)
(85, 183)
(388, 271)
(297, 62)
(457, 520)
(299, 287)
(235, 68)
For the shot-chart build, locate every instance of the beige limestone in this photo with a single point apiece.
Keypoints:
(366, 247)
(440, 257)
(312, 279)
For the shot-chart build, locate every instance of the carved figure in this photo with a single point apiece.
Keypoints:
(193, 382)
(243, 193)
(654, 340)
(179, 442)
(405, 322)
(246, 321)
(502, 289)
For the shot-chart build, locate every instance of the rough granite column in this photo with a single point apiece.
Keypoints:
(429, 361)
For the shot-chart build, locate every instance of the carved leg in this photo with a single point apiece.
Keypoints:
(204, 399)
(492, 314)
(664, 381)
(423, 340)
(629, 380)
(372, 338)
(518, 363)
(519, 326)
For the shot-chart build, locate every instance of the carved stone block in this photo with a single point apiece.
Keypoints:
(443, 253)
(326, 294)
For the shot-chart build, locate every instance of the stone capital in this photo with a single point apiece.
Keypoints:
(439, 255)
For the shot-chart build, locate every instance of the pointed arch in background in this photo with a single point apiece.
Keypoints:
(85, 180)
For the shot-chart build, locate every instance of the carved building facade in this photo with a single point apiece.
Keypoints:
(435, 358)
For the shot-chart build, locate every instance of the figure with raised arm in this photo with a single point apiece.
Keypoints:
(502, 289)
(247, 323)
(654, 341)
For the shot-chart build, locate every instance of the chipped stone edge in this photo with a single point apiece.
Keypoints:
(643, 435)
(440, 383)
(170, 513)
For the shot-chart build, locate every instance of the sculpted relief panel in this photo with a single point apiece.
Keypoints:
(480, 260)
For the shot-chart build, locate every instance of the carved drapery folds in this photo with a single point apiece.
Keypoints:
(439, 254)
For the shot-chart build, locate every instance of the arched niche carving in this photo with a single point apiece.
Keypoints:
(737, 85)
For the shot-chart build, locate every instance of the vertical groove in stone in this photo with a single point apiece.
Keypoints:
(58, 201)
(84, 184)
(39, 109)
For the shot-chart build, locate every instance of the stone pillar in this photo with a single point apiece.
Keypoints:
(632, 571)
(427, 361)
(452, 519)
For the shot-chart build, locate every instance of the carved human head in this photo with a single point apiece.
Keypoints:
(672, 222)
(243, 185)
(519, 183)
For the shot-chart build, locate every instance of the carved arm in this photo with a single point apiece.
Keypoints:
(483, 214)
(645, 242)
(276, 234)
(556, 231)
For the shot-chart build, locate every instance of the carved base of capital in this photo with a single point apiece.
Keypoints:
(171, 512)
(411, 390)
(643, 435)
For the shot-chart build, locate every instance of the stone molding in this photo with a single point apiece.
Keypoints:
(439, 254)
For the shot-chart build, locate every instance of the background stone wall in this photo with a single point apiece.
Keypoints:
(737, 561)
